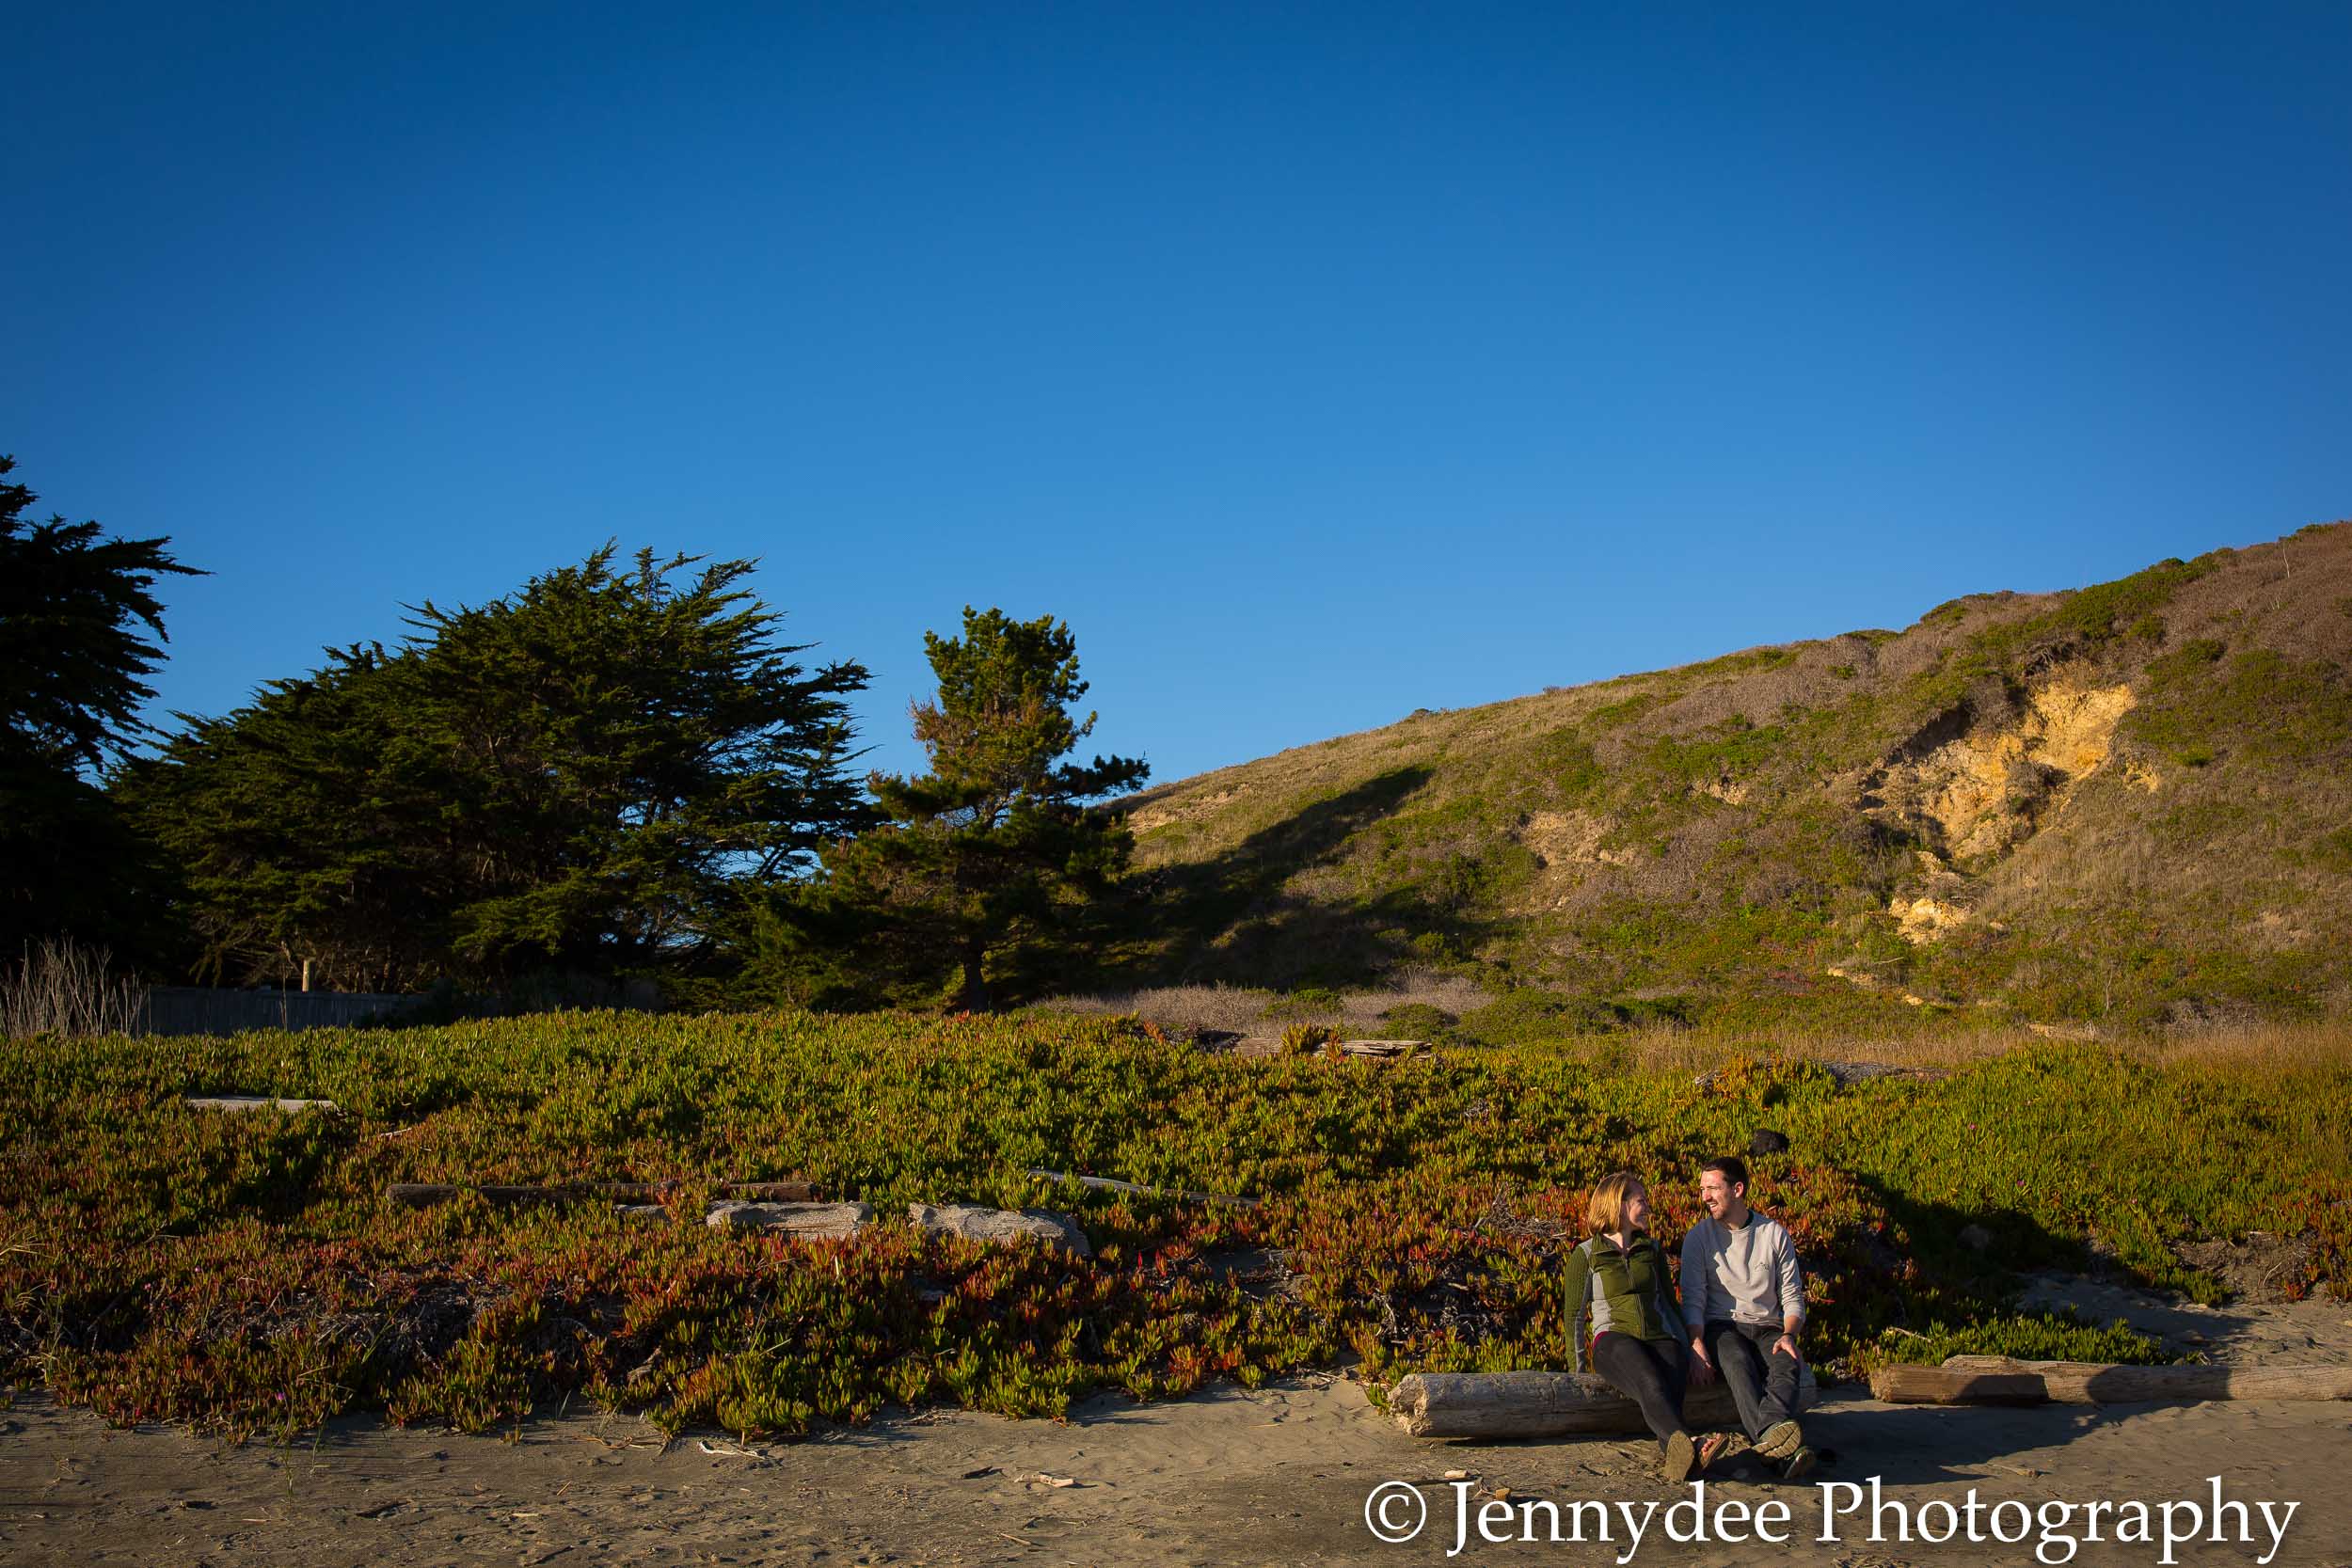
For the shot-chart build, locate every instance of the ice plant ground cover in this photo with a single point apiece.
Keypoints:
(245, 1272)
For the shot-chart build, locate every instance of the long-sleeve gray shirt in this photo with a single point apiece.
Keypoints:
(1746, 1275)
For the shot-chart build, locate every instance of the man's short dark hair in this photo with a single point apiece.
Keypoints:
(1734, 1169)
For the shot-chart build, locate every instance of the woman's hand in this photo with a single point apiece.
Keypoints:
(1702, 1366)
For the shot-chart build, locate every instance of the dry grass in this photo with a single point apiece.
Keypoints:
(1225, 1009)
(2256, 1048)
(2261, 1048)
(1248, 1010)
(63, 988)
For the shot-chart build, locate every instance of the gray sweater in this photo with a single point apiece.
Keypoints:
(1747, 1275)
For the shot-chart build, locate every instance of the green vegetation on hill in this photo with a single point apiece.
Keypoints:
(2124, 806)
(157, 1261)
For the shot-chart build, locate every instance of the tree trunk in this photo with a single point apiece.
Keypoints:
(975, 998)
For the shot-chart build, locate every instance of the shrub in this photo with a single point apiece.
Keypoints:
(1301, 1039)
(65, 988)
(245, 1271)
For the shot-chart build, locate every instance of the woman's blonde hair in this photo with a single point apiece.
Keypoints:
(1606, 1209)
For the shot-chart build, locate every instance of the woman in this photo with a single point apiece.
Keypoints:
(1618, 1277)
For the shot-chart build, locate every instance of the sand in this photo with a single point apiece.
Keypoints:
(1279, 1475)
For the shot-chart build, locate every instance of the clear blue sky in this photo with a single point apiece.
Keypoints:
(1316, 363)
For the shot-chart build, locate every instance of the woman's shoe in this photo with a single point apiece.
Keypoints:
(1711, 1449)
(1681, 1457)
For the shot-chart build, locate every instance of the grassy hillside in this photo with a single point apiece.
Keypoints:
(2126, 807)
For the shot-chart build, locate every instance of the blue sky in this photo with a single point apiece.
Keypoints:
(1316, 363)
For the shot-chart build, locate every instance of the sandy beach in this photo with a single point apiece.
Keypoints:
(1279, 1475)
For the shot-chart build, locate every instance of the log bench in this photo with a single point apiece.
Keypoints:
(1547, 1404)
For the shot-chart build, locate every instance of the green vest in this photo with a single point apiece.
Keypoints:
(1635, 1284)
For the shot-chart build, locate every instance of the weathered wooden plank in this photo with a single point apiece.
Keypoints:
(255, 1102)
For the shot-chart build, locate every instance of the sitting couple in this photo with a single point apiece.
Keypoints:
(1742, 1308)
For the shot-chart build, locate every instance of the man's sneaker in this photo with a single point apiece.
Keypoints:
(1680, 1458)
(1799, 1463)
(1780, 1440)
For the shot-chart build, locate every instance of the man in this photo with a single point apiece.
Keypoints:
(1743, 1303)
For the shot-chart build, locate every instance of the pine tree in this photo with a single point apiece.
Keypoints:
(992, 850)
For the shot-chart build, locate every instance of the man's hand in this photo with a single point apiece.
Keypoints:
(1702, 1368)
(1788, 1342)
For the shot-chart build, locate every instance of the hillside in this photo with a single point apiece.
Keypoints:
(2127, 806)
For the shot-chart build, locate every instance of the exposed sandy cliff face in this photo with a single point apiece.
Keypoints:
(1979, 792)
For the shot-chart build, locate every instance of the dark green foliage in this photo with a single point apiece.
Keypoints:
(293, 839)
(77, 614)
(578, 778)
(72, 657)
(991, 854)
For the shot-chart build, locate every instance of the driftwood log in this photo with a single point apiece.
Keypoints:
(1107, 1184)
(426, 1195)
(256, 1102)
(1545, 1405)
(1998, 1380)
(802, 1221)
(1382, 1047)
(1058, 1232)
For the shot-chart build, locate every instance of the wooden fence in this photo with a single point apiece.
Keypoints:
(205, 1010)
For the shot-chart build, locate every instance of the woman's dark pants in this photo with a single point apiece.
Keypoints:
(1651, 1372)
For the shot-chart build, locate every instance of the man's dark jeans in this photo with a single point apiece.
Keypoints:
(1763, 1380)
(1652, 1372)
